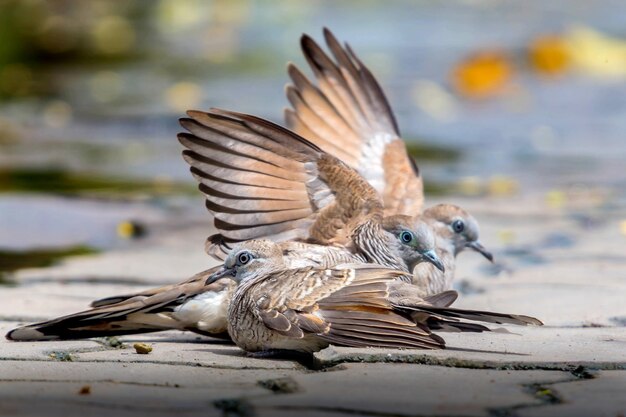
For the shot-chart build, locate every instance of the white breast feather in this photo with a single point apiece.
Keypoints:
(206, 311)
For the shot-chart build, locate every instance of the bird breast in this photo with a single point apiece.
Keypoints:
(249, 332)
(206, 312)
(431, 280)
(244, 327)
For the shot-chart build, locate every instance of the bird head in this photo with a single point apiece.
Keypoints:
(413, 239)
(456, 226)
(249, 259)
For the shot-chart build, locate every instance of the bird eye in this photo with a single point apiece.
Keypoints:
(243, 258)
(406, 237)
(458, 226)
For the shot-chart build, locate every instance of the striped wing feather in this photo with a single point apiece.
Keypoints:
(264, 181)
(346, 305)
(348, 116)
(353, 305)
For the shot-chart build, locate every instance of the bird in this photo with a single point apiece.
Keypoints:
(408, 238)
(455, 230)
(261, 180)
(191, 305)
(348, 115)
(275, 308)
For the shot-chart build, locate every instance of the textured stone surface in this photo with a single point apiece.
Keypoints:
(551, 265)
(119, 388)
(395, 389)
(542, 348)
(602, 396)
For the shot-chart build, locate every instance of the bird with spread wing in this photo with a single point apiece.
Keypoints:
(348, 193)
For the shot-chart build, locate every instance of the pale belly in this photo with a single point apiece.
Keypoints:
(205, 312)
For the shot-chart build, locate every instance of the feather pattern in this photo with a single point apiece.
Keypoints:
(190, 305)
(261, 180)
(352, 305)
(347, 115)
(348, 302)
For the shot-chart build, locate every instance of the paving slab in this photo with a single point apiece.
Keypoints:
(603, 396)
(555, 304)
(529, 348)
(408, 390)
(47, 300)
(123, 389)
(553, 265)
(172, 252)
(532, 348)
(184, 349)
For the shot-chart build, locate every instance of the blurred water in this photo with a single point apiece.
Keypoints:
(547, 134)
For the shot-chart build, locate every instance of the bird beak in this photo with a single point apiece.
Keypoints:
(431, 256)
(478, 247)
(221, 273)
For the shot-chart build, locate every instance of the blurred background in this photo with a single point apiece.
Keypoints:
(497, 100)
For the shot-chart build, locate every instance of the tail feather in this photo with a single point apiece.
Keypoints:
(93, 323)
(107, 301)
(57, 331)
(484, 316)
(442, 325)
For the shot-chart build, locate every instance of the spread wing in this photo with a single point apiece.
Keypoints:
(264, 181)
(346, 306)
(348, 116)
(145, 312)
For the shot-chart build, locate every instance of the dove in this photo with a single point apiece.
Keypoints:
(190, 305)
(359, 305)
(261, 180)
(337, 215)
(347, 115)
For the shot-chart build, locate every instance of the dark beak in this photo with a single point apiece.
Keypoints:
(478, 247)
(220, 273)
(431, 256)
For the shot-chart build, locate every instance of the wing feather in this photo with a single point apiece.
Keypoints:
(264, 181)
(348, 116)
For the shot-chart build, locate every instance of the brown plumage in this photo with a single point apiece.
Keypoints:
(191, 305)
(261, 180)
(456, 230)
(264, 181)
(306, 309)
(349, 304)
(347, 115)
(336, 205)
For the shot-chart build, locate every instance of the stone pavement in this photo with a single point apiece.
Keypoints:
(565, 265)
